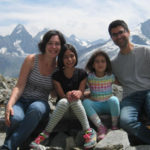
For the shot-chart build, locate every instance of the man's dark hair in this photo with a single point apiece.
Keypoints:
(117, 23)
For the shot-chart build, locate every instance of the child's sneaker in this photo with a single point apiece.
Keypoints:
(102, 130)
(43, 135)
(90, 138)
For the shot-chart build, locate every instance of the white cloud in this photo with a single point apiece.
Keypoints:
(88, 19)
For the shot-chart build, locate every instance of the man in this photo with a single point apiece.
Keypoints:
(132, 68)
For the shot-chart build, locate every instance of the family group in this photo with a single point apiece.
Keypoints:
(54, 71)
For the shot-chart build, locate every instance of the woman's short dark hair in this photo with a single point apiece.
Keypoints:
(89, 65)
(61, 55)
(46, 38)
(117, 23)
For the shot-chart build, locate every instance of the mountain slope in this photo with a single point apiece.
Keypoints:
(140, 35)
(16, 46)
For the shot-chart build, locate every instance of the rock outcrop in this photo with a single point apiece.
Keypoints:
(68, 134)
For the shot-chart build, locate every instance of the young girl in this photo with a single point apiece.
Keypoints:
(70, 84)
(101, 100)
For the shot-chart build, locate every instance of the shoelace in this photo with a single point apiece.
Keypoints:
(39, 139)
(87, 136)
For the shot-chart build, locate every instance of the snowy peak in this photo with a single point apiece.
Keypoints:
(19, 30)
(141, 34)
(40, 34)
(78, 43)
(73, 37)
(19, 43)
(145, 28)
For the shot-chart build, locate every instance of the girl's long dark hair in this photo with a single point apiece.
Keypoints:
(66, 47)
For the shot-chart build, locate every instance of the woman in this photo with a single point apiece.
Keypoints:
(28, 104)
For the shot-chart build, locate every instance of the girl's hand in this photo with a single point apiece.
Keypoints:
(76, 94)
(69, 96)
(9, 111)
(87, 94)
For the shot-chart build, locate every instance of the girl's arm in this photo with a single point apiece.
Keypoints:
(117, 82)
(18, 89)
(87, 93)
(53, 93)
(59, 89)
(78, 94)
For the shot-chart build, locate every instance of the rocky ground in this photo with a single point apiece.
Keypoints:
(68, 134)
(2, 136)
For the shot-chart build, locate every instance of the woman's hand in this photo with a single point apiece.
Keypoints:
(9, 112)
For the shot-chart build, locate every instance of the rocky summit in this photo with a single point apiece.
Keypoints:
(68, 134)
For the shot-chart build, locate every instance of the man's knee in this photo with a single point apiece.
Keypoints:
(126, 122)
(123, 122)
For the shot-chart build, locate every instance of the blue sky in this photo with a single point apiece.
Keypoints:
(87, 19)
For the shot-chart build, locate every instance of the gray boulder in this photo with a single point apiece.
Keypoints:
(68, 134)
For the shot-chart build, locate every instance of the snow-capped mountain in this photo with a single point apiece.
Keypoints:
(79, 44)
(14, 47)
(140, 35)
(107, 46)
(18, 43)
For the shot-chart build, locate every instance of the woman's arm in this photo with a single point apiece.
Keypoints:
(18, 89)
(82, 85)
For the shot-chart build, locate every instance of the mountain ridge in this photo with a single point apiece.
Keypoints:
(16, 46)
